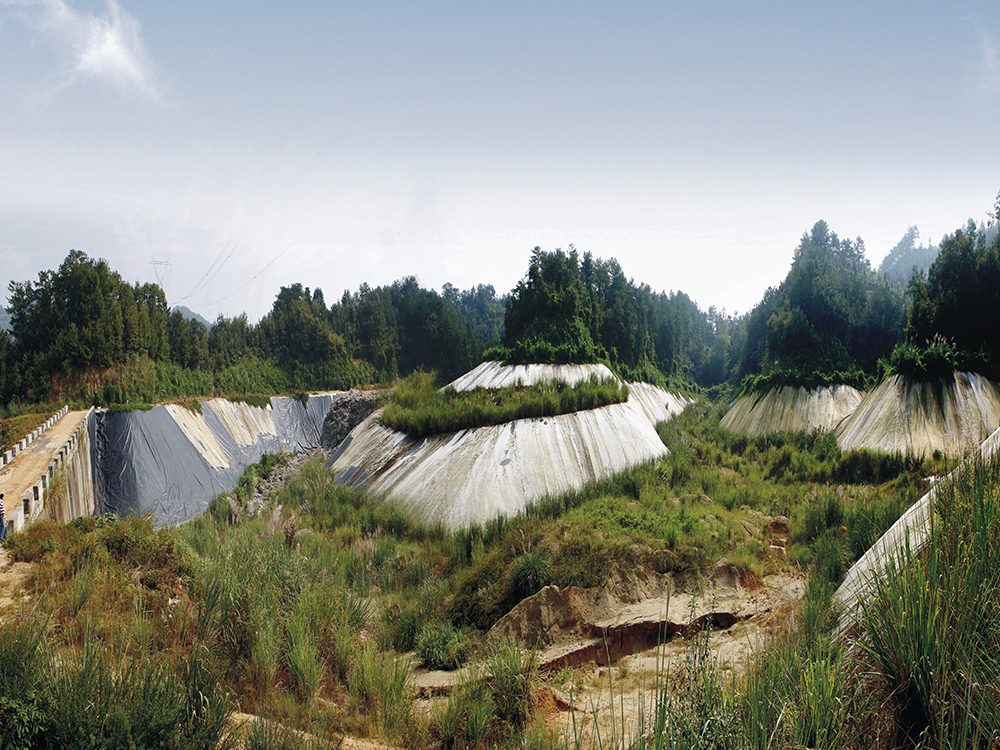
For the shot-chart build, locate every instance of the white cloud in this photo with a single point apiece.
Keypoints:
(989, 68)
(106, 47)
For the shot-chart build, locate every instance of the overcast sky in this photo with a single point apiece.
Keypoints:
(254, 145)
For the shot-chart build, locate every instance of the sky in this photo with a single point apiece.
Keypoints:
(248, 146)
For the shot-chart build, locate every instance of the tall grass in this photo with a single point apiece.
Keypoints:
(50, 698)
(418, 408)
(932, 632)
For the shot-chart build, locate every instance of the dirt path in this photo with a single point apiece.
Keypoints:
(13, 577)
(19, 476)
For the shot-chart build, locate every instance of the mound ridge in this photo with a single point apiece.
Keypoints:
(952, 415)
(791, 409)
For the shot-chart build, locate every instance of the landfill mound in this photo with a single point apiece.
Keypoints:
(952, 415)
(471, 476)
(791, 409)
(172, 461)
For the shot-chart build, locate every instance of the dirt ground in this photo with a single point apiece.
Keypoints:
(634, 680)
(576, 698)
(13, 578)
(19, 476)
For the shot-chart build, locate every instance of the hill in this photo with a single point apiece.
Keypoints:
(192, 315)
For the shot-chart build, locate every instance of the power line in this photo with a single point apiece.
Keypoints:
(254, 278)
(161, 268)
(212, 271)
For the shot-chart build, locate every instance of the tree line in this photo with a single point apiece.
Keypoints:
(832, 319)
(84, 318)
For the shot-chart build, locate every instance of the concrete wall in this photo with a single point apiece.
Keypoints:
(65, 489)
(77, 497)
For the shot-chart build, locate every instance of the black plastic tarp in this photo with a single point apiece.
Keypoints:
(145, 462)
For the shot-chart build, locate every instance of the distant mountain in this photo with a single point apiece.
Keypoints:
(4, 319)
(192, 315)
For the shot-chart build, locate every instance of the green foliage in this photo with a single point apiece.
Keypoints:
(419, 409)
(548, 311)
(441, 646)
(82, 333)
(935, 359)
(931, 632)
(493, 705)
(529, 573)
(949, 307)
(573, 310)
(804, 378)
(831, 314)
(51, 699)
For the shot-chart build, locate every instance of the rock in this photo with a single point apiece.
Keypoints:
(346, 413)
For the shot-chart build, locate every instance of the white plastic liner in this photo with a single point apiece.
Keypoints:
(790, 409)
(495, 375)
(953, 415)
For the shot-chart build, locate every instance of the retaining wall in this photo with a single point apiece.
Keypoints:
(73, 463)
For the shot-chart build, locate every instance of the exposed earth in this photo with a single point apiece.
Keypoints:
(593, 645)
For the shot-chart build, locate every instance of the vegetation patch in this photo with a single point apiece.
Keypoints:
(419, 409)
(805, 378)
(937, 358)
(260, 401)
(303, 614)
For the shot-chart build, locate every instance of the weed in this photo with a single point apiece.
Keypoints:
(440, 646)
(419, 409)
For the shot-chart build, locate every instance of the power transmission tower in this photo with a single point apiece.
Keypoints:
(162, 269)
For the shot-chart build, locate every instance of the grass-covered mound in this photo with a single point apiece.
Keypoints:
(418, 408)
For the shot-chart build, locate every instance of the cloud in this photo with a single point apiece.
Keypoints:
(988, 82)
(106, 47)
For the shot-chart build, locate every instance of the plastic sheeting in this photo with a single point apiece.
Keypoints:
(496, 375)
(473, 475)
(952, 415)
(789, 409)
(172, 461)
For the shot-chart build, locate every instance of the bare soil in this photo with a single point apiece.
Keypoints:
(592, 645)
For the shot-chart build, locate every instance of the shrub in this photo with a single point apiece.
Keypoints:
(529, 573)
(440, 646)
(418, 409)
